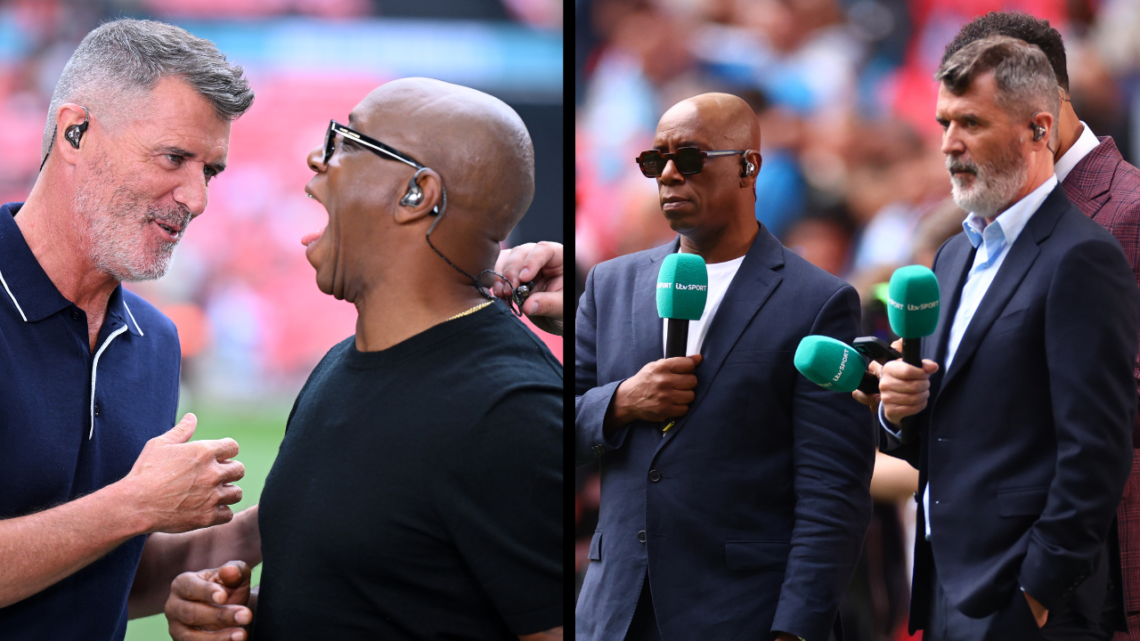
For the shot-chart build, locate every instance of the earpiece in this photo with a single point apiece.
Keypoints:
(1038, 132)
(74, 133)
(749, 168)
(414, 195)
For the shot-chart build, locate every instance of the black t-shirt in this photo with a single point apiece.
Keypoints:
(417, 493)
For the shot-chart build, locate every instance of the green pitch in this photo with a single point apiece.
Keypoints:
(258, 433)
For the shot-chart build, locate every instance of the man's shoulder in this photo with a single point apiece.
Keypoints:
(510, 348)
(147, 318)
(330, 360)
(628, 264)
(1104, 169)
(1074, 227)
(809, 278)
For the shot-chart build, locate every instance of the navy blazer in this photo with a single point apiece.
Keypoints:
(749, 514)
(1027, 439)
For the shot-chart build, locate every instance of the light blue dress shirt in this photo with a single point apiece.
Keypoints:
(992, 241)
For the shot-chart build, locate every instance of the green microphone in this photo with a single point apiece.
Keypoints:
(912, 308)
(834, 365)
(682, 289)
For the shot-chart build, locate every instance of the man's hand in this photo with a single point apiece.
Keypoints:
(661, 390)
(1039, 611)
(180, 486)
(904, 388)
(542, 263)
(210, 604)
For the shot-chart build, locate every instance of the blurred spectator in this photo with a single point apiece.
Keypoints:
(823, 238)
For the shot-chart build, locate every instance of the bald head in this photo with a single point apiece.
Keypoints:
(712, 206)
(723, 120)
(478, 145)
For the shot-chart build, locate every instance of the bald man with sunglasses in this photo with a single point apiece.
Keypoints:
(744, 520)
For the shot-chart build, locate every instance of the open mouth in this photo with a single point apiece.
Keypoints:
(310, 238)
(172, 231)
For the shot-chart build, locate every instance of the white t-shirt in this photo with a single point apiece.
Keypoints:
(720, 276)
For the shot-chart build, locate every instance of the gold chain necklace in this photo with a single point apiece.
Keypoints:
(471, 311)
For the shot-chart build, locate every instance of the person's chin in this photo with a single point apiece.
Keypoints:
(681, 219)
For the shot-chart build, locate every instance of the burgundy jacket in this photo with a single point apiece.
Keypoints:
(1107, 189)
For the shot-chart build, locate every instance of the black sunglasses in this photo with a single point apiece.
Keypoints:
(688, 160)
(373, 145)
(376, 147)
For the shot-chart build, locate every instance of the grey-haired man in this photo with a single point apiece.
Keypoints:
(138, 125)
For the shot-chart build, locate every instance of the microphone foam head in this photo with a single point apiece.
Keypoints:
(682, 287)
(912, 301)
(830, 363)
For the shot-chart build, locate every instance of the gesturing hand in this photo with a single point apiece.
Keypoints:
(210, 604)
(179, 486)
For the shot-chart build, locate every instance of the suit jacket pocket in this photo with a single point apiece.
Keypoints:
(1025, 501)
(596, 547)
(757, 555)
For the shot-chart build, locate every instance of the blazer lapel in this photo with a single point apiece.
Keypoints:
(750, 288)
(956, 263)
(648, 337)
(1021, 257)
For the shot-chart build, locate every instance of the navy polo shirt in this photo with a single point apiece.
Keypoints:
(73, 421)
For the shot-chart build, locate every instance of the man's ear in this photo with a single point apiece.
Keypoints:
(422, 194)
(1044, 120)
(750, 168)
(68, 115)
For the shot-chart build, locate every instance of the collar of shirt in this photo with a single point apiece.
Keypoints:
(27, 286)
(1085, 143)
(1005, 229)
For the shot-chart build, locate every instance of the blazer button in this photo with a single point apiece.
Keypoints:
(641, 536)
(654, 475)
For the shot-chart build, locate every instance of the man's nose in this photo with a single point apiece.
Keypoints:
(670, 175)
(315, 160)
(192, 194)
(952, 141)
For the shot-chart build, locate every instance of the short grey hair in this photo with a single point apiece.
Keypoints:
(1026, 83)
(122, 59)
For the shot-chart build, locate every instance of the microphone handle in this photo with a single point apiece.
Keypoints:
(677, 338)
(869, 384)
(912, 352)
(676, 343)
(912, 355)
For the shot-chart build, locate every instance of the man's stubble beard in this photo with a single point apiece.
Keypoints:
(116, 227)
(995, 182)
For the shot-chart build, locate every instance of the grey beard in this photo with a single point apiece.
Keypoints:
(995, 185)
(113, 228)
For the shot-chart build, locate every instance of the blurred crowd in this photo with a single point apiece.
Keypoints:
(852, 178)
(251, 321)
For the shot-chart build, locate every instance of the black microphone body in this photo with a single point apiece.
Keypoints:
(869, 384)
(912, 352)
(677, 338)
